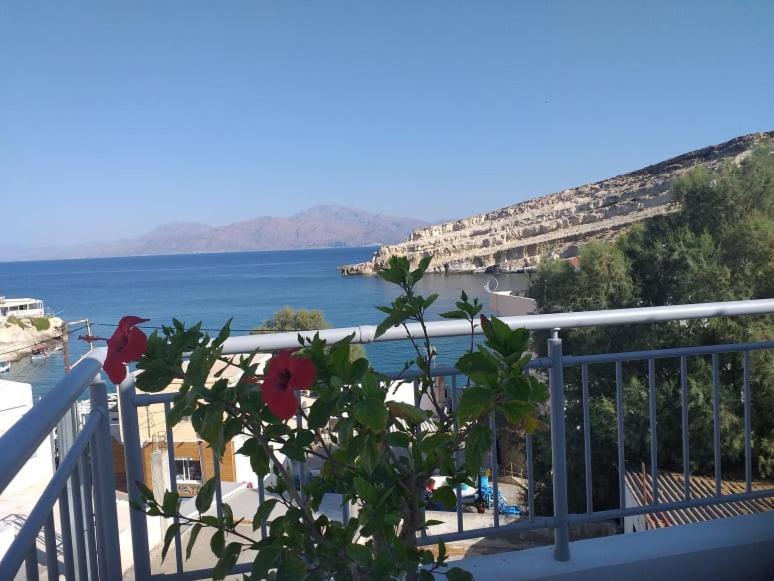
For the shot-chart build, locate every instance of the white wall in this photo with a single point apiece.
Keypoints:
(15, 401)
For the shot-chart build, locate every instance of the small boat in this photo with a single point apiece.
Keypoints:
(39, 351)
(509, 303)
(5, 367)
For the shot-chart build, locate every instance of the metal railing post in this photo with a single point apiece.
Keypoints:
(105, 487)
(558, 451)
(134, 472)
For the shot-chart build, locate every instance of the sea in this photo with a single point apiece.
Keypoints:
(247, 287)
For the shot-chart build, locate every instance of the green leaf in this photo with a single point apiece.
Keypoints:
(477, 362)
(433, 522)
(169, 505)
(204, 498)
(412, 414)
(263, 512)
(365, 489)
(441, 552)
(445, 495)
(291, 568)
(227, 561)
(392, 320)
(225, 331)
(267, 558)
(218, 543)
(419, 272)
(430, 300)
(516, 411)
(156, 374)
(372, 413)
(192, 539)
(359, 553)
(477, 443)
(474, 402)
(145, 492)
(168, 537)
(454, 315)
(398, 439)
(457, 574)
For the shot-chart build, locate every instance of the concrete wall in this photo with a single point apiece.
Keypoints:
(15, 401)
(732, 548)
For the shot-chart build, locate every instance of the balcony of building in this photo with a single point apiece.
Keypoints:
(669, 522)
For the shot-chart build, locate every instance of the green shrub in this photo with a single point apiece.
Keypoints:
(41, 323)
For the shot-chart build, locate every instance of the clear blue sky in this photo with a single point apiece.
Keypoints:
(118, 116)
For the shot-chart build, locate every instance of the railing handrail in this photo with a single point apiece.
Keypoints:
(26, 435)
(633, 316)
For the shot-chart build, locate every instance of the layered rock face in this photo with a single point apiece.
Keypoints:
(517, 237)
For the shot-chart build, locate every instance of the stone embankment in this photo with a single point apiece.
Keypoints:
(519, 236)
(18, 336)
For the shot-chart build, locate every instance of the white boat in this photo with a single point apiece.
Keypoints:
(509, 303)
(5, 367)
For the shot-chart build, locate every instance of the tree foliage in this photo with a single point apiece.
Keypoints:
(718, 246)
(290, 319)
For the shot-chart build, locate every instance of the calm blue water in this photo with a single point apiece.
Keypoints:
(248, 286)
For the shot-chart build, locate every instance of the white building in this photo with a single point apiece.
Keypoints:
(22, 308)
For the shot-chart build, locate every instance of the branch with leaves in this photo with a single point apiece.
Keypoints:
(376, 452)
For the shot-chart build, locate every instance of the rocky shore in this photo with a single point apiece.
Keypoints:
(517, 237)
(18, 336)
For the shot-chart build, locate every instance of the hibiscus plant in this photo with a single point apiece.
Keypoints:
(375, 453)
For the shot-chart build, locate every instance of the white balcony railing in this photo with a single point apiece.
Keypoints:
(84, 481)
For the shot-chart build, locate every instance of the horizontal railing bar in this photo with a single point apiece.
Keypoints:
(28, 533)
(639, 315)
(201, 573)
(24, 437)
(575, 360)
(519, 526)
(669, 506)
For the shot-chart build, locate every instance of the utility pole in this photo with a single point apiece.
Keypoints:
(65, 347)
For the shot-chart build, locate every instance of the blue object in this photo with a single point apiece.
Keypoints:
(486, 492)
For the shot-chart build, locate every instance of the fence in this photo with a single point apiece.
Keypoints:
(82, 481)
(80, 488)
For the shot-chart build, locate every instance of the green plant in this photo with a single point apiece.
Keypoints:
(380, 454)
(41, 323)
(12, 320)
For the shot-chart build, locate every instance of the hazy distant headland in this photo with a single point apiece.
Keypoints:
(322, 226)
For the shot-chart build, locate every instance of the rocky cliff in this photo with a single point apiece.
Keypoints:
(517, 237)
(19, 336)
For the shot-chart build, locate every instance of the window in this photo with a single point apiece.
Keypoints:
(188, 469)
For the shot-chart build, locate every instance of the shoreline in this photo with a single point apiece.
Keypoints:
(159, 255)
(17, 342)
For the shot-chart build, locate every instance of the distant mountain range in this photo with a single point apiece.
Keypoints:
(318, 227)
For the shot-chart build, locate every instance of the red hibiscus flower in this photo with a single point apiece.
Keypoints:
(127, 344)
(285, 375)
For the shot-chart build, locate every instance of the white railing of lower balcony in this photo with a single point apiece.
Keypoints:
(29, 431)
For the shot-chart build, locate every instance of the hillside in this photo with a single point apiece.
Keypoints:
(317, 227)
(516, 237)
